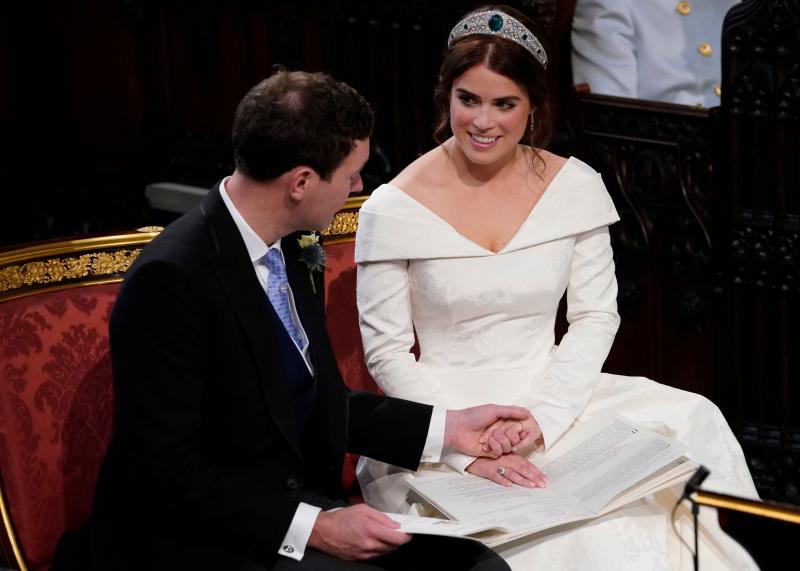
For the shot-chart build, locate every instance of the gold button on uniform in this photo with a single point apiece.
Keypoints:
(704, 49)
(718, 90)
(684, 8)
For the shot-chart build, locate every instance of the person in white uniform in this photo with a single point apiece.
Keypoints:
(471, 247)
(661, 50)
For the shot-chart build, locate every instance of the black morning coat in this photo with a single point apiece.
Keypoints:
(206, 466)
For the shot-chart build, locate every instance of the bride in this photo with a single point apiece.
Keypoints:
(471, 247)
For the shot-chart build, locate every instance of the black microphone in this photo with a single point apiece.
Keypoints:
(692, 486)
(695, 481)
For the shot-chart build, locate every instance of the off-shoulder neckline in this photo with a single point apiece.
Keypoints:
(535, 208)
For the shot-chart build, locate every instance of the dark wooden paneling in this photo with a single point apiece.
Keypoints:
(757, 239)
(655, 160)
(101, 97)
(708, 246)
(7, 101)
(758, 213)
(75, 121)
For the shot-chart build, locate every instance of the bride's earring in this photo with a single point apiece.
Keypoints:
(533, 130)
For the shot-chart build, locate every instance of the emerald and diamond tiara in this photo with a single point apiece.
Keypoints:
(495, 23)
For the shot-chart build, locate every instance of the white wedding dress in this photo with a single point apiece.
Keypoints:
(485, 327)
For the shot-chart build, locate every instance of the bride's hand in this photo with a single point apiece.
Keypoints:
(514, 434)
(508, 469)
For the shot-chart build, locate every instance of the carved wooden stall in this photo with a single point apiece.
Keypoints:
(708, 246)
(757, 238)
(655, 160)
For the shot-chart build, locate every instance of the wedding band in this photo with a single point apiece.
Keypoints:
(501, 470)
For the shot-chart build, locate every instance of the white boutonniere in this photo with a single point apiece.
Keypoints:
(312, 255)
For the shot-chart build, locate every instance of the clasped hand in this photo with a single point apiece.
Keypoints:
(359, 533)
(490, 430)
(510, 468)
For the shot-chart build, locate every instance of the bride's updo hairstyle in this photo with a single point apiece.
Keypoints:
(504, 57)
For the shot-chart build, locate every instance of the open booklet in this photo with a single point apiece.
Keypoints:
(596, 467)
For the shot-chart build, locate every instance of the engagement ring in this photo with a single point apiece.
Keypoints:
(501, 470)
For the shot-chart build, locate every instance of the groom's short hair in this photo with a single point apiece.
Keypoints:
(296, 118)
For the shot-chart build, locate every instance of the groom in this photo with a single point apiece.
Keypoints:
(232, 419)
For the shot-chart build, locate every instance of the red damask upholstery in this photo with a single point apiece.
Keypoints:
(56, 398)
(342, 317)
(55, 411)
(342, 314)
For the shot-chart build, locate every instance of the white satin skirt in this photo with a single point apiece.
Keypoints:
(640, 536)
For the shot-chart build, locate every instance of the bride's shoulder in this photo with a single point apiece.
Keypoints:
(422, 173)
(553, 163)
(574, 169)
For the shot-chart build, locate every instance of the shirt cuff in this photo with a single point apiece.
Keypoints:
(457, 461)
(296, 538)
(435, 441)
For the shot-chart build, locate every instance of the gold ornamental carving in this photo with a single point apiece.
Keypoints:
(147, 229)
(57, 270)
(344, 223)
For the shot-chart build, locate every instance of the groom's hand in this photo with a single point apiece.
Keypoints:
(356, 533)
(464, 428)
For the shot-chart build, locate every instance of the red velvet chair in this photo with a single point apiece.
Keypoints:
(340, 297)
(342, 315)
(55, 385)
(55, 375)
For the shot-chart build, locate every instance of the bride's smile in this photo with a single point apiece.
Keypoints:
(489, 114)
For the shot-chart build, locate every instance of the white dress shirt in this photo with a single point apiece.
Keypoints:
(296, 538)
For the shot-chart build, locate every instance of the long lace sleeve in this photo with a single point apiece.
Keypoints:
(593, 320)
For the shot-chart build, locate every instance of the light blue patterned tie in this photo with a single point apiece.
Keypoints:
(278, 293)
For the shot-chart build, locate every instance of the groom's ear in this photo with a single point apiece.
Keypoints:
(301, 180)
